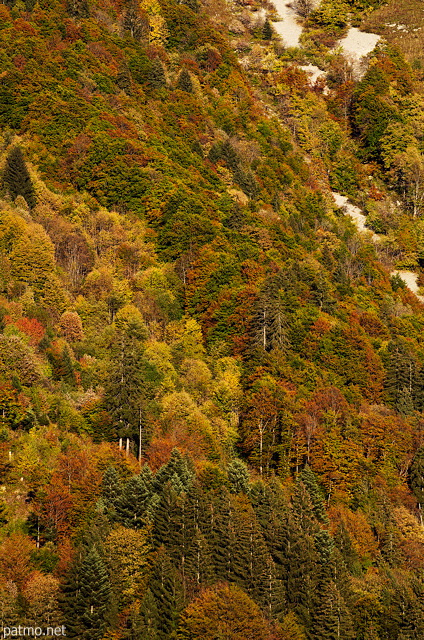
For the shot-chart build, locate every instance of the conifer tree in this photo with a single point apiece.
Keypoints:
(222, 537)
(87, 598)
(307, 477)
(17, 178)
(111, 491)
(167, 592)
(267, 30)
(78, 8)
(346, 548)
(331, 619)
(157, 78)
(177, 471)
(184, 82)
(238, 477)
(132, 505)
(199, 563)
(148, 619)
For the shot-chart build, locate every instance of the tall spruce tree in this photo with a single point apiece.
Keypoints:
(308, 478)
(111, 491)
(331, 617)
(168, 596)
(87, 598)
(132, 505)
(267, 30)
(17, 178)
(238, 477)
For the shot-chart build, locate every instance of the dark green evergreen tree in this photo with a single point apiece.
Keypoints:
(148, 618)
(222, 537)
(331, 617)
(87, 598)
(124, 80)
(350, 556)
(133, 507)
(67, 368)
(267, 30)
(403, 382)
(238, 477)
(17, 178)
(308, 478)
(111, 491)
(184, 82)
(156, 78)
(178, 470)
(129, 390)
(199, 562)
(168, 596)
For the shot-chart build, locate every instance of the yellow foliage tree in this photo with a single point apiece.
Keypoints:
(128, 551)
(158, 31)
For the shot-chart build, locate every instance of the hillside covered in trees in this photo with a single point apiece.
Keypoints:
(211, 384)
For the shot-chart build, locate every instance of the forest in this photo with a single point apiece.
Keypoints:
(211, 383)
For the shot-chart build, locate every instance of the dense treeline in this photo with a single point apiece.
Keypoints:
(211, 389)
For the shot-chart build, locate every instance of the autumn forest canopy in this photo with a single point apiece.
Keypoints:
(211, 383)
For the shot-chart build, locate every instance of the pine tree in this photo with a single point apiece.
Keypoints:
(157, 78)
(199, 563)
(124, 80)
(222, 537)
(133, 503)
(402, 382)
(67, 369)
(148, 618)
(87, 598)
(344, 544)
(111, 491)
(17, 178)
(267, 30)
(299, 570)
(167, 591)
(238, 477)
(130, 389)
(332, 619)
(178, 470)
(184, 82)
(308, 478)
